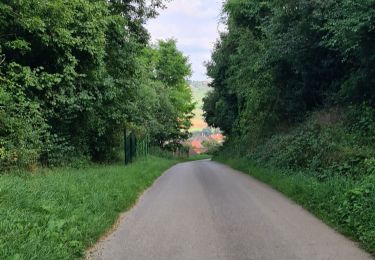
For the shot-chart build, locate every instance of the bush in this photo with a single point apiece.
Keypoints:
(361, 121)
(324, 149)
(21, 128)
(357, 214)
(57, 152)
(211, 145)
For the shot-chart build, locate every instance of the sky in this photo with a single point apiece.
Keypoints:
(194, 24)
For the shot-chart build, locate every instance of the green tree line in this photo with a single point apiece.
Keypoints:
(280, 60)
(74, 74)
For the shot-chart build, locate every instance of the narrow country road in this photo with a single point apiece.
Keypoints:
(204, 210)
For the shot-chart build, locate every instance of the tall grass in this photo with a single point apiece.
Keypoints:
(57, 214)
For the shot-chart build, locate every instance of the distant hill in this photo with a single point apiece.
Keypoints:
(199, 90)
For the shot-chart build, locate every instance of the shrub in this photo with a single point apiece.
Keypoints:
(21, 128)
(326, 149)
(356, 212)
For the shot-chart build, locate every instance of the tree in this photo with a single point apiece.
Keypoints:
(175, 111)
(280, 60)
(74, 74)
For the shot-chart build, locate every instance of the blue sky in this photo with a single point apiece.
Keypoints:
(194, 24)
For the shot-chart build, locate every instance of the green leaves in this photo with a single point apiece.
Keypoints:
(21, 45)
(81, 68)
(280, 60)
(172, 67)
(171, 106)
(21, 121)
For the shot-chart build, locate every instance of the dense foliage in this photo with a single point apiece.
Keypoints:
(278, 64)
(74, 73)
(293, 91)
(281, 59)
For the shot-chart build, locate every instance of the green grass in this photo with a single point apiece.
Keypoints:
(58, 214)
(346, 204)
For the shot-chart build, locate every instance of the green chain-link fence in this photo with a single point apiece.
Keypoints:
(136, 146)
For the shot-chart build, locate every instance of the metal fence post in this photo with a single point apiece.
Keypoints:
(126, 159)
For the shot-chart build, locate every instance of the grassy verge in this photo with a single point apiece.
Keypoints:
(58, 214)
(345, 204)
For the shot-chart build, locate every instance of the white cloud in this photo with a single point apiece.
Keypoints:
(194, 23)
(192, 8)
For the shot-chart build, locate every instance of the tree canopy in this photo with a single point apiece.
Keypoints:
(279, 60)
(74, 73)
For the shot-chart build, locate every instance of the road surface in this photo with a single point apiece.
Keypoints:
(204, 210)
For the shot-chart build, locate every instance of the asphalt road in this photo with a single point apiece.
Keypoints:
(204, 210)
